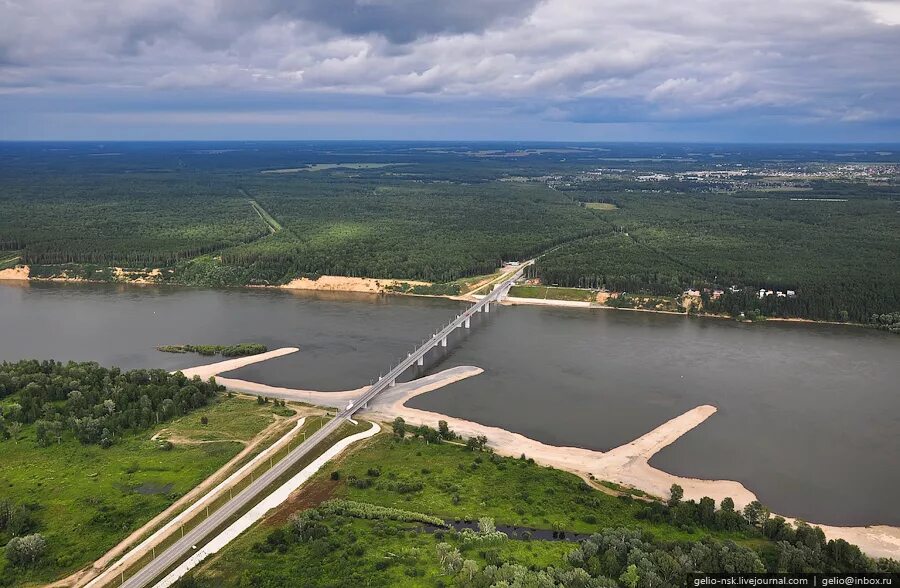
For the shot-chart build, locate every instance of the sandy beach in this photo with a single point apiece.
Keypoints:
(345, 284)
(626, 464)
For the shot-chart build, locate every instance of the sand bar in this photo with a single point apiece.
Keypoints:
(213, 369)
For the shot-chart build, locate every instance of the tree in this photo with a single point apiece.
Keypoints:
(630, 577)
(41, 432)
(476, 443)
(486, 525)
(676, 493)
(707, 511)
(756, 513)
(399, 426)
(445, 431)
(14, 428)
(23, 551)
(204, 420)
(470, 568)
(451, 559)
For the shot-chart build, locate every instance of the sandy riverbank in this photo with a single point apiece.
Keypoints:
(20, 272)
(626, 464)
(345, 284)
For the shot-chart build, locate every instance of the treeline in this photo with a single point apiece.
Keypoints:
(93, 403)
(795, 549)
(841, 302)
(887, 322)
(239, 350)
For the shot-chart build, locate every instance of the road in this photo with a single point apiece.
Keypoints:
(251, 494)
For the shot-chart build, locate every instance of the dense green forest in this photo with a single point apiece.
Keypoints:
(134, 220)
(94, 403)
(216, 215)
(435, 232)
(842, 259)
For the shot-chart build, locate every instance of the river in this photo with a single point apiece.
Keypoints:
(808, 415)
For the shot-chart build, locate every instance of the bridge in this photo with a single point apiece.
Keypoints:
(189, 540)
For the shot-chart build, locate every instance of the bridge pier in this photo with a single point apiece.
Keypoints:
(487, 307)
(421, 361)
(467, 322)
(444, 342)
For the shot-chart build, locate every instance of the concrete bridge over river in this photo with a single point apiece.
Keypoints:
(250, 495)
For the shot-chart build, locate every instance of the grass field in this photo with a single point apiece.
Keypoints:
(601, 206)
(86, 499)
(383, 554)
(553, 293)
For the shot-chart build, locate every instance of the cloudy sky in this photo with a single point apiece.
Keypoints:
(593, 70)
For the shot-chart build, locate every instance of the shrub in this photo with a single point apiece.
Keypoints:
(363, 510)
(23, 551)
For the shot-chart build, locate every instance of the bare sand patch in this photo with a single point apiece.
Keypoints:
(513, 300)
(346, 284)
(20, 272)
(213, 369)
(145, 276)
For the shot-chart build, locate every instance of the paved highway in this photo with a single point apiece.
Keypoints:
(251, 494)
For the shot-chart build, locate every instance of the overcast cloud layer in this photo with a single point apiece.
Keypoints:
(791, 70)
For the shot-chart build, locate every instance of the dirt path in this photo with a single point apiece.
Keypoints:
(85, 575)
(274, 225)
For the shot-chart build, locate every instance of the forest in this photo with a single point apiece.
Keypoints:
(218, 215)
(93, 403)
(842, 259)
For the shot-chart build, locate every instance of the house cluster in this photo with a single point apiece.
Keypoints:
(695, 293)
(715, 294)
(777, 293)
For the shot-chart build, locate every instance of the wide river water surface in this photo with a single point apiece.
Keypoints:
(808, 415)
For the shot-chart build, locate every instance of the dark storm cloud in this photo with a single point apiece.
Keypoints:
(400, 21)
(558, 63)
